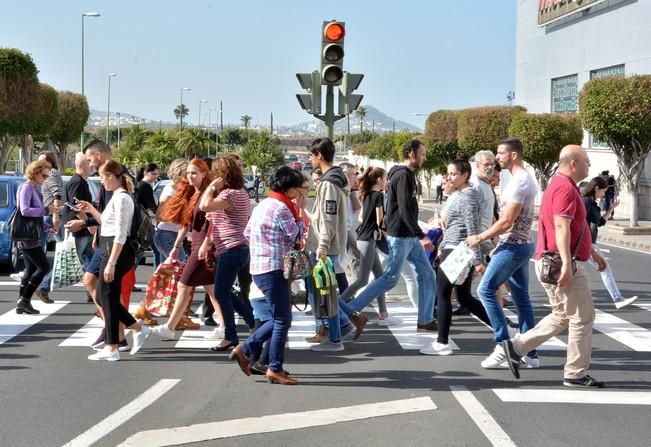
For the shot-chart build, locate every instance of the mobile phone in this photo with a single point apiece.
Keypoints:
(72, 207)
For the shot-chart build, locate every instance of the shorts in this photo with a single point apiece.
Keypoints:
(96, 260)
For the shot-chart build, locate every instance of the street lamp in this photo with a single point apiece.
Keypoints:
(201, 102)
(187, 89)
(108, 108)
(118, 114)
(86, 14)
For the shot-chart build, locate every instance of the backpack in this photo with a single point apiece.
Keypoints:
(141, 234)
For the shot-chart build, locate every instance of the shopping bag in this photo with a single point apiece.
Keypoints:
(458, 263)
(298, 294)
(325, 291)
(163, 287)
(66, 270)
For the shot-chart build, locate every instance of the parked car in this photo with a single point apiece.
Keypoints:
(291, 157)
(10, 258)
(249, 184)
(307, 166)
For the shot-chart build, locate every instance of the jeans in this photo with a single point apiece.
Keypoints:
(401, 249)
(408, 273)
(164, 241)
(370, 262)
(510, 262)
(607, 277)
(45, 282)
(276, 291)
(228, 264)
(84, 246)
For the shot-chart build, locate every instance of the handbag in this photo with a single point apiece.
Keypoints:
(66, 269)
(551, 262)
(325, 289)
(23, 228)
(457, 264)
(298, 294)
(162, 288)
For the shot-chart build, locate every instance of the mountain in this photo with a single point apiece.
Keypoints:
(97, 118)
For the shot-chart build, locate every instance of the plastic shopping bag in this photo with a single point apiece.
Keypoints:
(325, 289)
(163, 287)
(458, 263)
(66, 270)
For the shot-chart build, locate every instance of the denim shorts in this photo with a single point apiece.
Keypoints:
(96, 260)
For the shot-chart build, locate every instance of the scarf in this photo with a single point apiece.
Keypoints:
(288, 203)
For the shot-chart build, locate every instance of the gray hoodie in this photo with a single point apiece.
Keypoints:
(329, 217)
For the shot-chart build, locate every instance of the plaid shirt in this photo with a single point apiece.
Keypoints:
(272, 232)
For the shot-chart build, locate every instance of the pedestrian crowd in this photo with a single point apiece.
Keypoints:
(205, 231)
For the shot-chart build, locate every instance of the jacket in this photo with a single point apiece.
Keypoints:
(329, 217)
(402, 204)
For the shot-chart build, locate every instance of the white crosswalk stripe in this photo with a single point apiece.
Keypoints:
(13, 324)
(635, 337)
(553, 344)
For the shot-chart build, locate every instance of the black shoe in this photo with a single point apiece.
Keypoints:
(209, 321)
(123, 346)
(584, 382)
(461, 310)
(511, 323)
(512, 358)
(431, 326)
(100, 339)
(136, 289)
(231, 344)
(25, 307)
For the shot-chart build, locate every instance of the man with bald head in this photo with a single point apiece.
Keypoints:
(562, 229)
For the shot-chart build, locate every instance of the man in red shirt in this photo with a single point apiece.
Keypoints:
(561, 229)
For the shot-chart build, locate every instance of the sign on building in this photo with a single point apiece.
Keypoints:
(551, 10)
(565, 94)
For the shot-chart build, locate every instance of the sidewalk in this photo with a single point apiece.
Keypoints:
(615, 232)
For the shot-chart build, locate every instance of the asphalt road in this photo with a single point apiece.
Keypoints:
(385, 392)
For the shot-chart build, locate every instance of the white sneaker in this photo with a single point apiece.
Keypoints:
(106, 355)
(621, 303)
(437, 348)
(389, 321)
(216, 334)
(17, 276)
(349, 332)
(328, 346)
(139, 338)
(530, 362)
(163, 331)
(512, 331)
(497, 359)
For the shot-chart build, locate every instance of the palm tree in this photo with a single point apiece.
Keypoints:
(361, 114)
(180, 112)
(192, 142)
(246, 120)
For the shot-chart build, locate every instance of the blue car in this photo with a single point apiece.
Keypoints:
(9, 256)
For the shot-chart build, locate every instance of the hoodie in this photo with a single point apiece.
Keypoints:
(402, 204)
(329, 217)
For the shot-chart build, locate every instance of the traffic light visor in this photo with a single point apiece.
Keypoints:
(334, 31)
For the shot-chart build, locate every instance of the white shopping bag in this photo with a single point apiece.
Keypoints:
(66, 270)
(458, 264)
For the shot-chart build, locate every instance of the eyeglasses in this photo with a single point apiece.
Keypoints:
(44, 175)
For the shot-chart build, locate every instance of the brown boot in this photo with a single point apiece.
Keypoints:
(43, 296)
(186, 323)
(316, 338)
(359, 320)
(281, 378)
(142, 314)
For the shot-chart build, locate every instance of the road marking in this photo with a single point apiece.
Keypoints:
(645, 306)
(406, 332)
(303, 326)
(106, 426)
(482, 418)
(85, 336)
(553, 344)
(12, 324)
(623, 248)
(275, 423)
(635, 337)
(574, 396)
(195, 338)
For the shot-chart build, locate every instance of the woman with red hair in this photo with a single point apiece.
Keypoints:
(183, 208)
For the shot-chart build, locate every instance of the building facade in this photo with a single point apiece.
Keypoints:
(562, 44)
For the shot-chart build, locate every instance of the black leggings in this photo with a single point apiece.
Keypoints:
(36, 267)
(108, 294)
(464, 296)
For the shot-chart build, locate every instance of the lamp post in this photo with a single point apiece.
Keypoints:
(221, 116)
(86, 14)
(118, 114)
(108, 107)
(201, 102)
(187, 89)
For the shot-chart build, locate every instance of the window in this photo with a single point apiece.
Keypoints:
(565, 94)
(615, 70)
(4, 194)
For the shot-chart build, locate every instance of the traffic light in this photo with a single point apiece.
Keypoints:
(348, 102)
(332, 52)
(310, 101)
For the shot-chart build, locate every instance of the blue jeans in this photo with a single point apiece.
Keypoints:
(45, 283)
(228, 264)
(403, 249)
(510, 262)
(164, 241)
(276, 291)
(330, 322)
(84, 246)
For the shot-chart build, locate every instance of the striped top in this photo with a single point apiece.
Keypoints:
(228, 225)
(462, 220)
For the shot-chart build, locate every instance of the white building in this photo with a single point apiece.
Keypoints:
(562, 44)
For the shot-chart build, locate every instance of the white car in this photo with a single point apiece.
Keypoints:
(249, 184)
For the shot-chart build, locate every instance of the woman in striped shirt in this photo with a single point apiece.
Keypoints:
(228, 207)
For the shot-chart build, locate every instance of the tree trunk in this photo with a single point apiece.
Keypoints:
(633, 207)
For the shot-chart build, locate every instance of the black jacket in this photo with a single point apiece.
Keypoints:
(402, 204)
(145, 197)
(77, 188)
(593, 215)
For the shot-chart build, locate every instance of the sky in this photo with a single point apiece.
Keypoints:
(417, 56)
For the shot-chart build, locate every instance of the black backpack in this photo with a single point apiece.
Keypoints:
(141, 235)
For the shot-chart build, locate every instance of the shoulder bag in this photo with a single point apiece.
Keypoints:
(23, 228)
(552, 262)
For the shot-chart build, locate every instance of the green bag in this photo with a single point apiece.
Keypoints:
(325, 283)
(66, 270)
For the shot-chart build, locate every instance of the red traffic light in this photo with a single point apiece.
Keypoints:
(334, 31)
